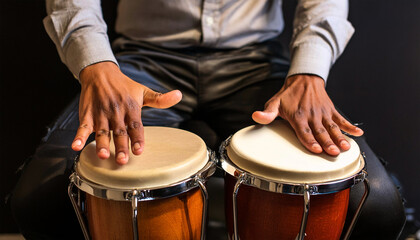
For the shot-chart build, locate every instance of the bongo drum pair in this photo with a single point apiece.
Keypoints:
(161, 194)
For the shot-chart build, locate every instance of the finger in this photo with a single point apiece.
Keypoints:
(102, 138)
(271, 111)
(136, 132)
(161, 100)
(346, 125)
(82, 134)
(305, 136)
(121, 142)
(323, 138)
(336, 135)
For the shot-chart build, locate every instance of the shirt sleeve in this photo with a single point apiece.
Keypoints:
(321, 32)
(79, 32)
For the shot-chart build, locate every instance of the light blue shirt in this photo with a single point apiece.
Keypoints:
(321, 30)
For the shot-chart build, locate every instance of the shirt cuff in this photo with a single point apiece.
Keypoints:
(87, 49)
(312, 59)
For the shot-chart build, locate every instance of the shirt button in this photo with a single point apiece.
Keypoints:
(209, 21)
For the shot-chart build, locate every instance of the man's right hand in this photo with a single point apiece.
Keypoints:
(110, 101)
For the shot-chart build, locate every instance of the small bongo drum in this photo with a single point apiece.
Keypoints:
(276, 189)
(160, 194)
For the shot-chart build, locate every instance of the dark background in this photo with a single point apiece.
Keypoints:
(376, 81)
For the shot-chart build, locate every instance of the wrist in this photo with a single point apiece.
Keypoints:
(304, 79)
(96, 70)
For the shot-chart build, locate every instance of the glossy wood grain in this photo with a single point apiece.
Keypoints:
(175, 218)
(267, 215)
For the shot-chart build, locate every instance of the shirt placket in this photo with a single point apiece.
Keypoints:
(210, 22)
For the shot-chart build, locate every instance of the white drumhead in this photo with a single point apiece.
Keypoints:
(170, 155)
(274, 152)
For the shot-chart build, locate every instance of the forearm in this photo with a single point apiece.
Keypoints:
(321, 32)
(79, 32)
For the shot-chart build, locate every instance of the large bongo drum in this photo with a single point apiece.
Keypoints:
(276, 189)
(160, 194)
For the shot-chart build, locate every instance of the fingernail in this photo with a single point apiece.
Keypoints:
(103, 151)
(344, 144)
(333, 148)
(121, 156)
(136, 146)
(316, 146)
(78, 142)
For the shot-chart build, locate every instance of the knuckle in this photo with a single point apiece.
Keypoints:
(152, 94)
(85, 126)
(305, 131)
(298, 114)
(320, 131)
(134, 125)
(120, 132)
(105, 109)
(102, 132)
(114, 106)
(131, 105)
(312, 112)
(343, 121)
(157, 94)
(333, 126)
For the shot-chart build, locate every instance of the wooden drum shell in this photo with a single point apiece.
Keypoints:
(177, 217)
(268, 215)
(168, 180)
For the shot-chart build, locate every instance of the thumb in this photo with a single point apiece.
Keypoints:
(161, 100)
(270, 113)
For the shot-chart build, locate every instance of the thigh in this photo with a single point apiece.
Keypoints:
(39, 202)
(382, 216)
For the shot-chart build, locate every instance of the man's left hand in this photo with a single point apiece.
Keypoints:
(305, 104)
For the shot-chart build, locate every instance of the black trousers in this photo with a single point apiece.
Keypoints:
(221, 89)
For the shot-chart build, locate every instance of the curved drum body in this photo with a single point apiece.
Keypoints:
(158, 195)
(276, 189)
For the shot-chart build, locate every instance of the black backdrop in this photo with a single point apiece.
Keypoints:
(376, 81)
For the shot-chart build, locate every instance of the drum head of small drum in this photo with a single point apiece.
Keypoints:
(274, 152)
(170, 155)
